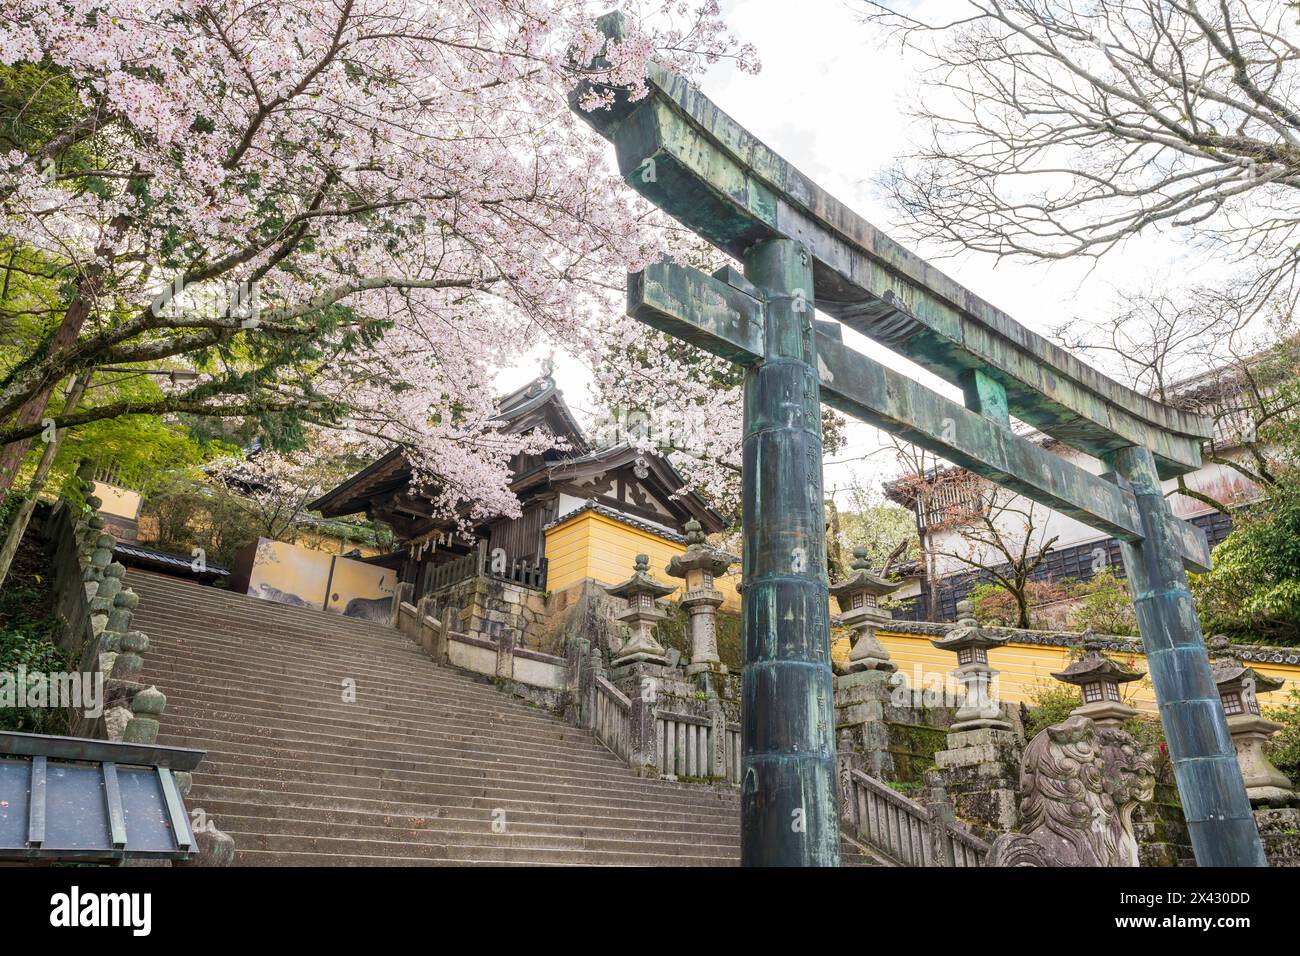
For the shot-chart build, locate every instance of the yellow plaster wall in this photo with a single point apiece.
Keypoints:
(118, 502)
(1024, 667)
(593, 545)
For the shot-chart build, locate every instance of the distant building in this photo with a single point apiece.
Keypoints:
(585, 512)
(947, 501)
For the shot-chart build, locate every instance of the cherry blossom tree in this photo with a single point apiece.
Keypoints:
(343, 213)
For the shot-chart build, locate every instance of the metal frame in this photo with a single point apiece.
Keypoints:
(43, 754)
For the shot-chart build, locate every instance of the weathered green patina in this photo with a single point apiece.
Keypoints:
(728, 321)
(788, 784)
(682, 152)
(803, 249)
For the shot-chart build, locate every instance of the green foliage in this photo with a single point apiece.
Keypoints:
(1253, 593)
(187, 511)
(28, 634)
(1284, 748)
(869, 521)
(1105, 605)
(1050, 703)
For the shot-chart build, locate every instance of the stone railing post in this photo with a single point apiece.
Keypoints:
(505, 638)
(146, 708)
(404, 593)
(593, 667)
(643, 750)
(440, 651)
(717, 736)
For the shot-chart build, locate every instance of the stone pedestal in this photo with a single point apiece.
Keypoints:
(1265, 784)
(979, 773)
(860, 701)
(1279, 831)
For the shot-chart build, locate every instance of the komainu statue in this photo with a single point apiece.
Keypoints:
(1080, 784)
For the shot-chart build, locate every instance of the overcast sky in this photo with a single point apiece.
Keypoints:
(832, 99)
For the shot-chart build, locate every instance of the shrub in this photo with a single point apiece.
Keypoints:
(1105, 605)
(1284, 748)
(996, 606)
(1050, 703)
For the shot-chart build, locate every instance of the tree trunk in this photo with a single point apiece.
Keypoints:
(33, 410)
(18, 527)
(1022, 605)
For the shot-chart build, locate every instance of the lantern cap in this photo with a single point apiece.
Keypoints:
(1229, 672)
(1095, 666)
(640, 583)
(968, 633)
(699, 556)
(862, 580)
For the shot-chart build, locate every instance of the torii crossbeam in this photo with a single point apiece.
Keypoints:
(803, 250)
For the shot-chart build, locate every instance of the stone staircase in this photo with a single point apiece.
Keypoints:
(416, 771)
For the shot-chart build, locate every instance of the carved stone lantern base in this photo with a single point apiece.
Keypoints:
(640, 652)
(869, 654)
(980, 773)
(1265, 784)
(1106, 713)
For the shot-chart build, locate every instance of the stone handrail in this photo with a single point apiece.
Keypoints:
(95, 609)
(686, 743)
(651, 740)
(906, 832)
(613, 718)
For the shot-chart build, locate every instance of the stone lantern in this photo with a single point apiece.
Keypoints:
(859, 600)
(1098, 679)
(641, 592)
(971, 644)
(699, 566)
(980, 765)
(1238, 685)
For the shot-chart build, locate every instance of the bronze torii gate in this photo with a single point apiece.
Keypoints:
(802, 249)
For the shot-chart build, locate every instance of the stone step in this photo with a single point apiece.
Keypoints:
(187, 721)
(701, 844)
(484, 851)
(253, 793)
(410, 774)
(432, 786)
(468, 757)
(166, 667)
(188, 594)
(438, 773)
(181, 717)
(259, 665)
(727, 830)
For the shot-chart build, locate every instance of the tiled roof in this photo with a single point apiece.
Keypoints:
(175, 563)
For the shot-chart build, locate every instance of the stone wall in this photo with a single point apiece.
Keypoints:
(486, 605)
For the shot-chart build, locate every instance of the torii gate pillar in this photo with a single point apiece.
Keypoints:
(789, 794)
(1219, 818)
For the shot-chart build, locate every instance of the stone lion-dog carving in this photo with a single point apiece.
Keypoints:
(1080, 784)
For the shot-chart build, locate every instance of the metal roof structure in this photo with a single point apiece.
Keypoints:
(76, 799)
